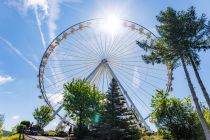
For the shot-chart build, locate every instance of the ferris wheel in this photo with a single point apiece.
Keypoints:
(98, 50)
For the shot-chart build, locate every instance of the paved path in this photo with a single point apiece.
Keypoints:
(44, 138)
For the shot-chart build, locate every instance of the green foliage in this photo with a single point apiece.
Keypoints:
(1, 124)
(54, 133)
(20, 128)
(12, 137)
(51, 133)
(117, 120)
(175, 116)
(206, 114)
(43, 116)
(26, 123)
(82, 101)
(61, 134)
(182, 33)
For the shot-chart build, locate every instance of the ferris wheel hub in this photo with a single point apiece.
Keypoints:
(104, 61)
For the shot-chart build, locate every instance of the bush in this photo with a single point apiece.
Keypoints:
(164, 134)
(12, 137)
(51, 133)
(61, 134)
(26, 123)
(20, 128)
(81, 133)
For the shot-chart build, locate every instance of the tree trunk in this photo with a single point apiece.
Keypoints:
(195, 99)
(205, 93)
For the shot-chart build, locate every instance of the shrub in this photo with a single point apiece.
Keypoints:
(20, 128)
(61, 134)
(51, 133)
(26, 123)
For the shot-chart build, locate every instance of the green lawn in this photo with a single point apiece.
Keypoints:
(12, 137)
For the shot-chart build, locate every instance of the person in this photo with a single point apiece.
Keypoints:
(31, 128)
(70, 130)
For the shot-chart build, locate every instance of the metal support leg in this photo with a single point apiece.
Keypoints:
(133, 107)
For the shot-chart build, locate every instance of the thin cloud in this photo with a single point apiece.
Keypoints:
(16, 51)
(52, 17)
(16, 117)
(5, 79)
(39, 27)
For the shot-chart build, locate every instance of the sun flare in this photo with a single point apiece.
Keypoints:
(111, 24)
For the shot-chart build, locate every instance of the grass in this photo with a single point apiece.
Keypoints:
(12, 137)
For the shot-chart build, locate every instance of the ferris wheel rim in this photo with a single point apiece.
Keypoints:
(42, 86)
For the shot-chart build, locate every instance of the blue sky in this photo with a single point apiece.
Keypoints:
(27, 27)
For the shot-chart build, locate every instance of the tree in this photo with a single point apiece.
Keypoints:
(82, 102)
(20, 129)
(175, 116)
(117, 120)
(182, 35)
(26, 123)
(43, 116)
(1, 124)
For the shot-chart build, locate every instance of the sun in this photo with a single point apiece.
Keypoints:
(111, 24)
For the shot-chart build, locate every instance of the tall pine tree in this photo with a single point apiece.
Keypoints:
(117, 120)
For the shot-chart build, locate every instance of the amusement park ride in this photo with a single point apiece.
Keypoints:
(98, 50)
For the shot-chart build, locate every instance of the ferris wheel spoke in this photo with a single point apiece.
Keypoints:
(126, 48)
(145, 81)
(139, 87)
(75, 56)
(115, 41)
(107, 79)
(155, 69)
(106, 45)
(136, 54)
(68, 60)
(119, 39)
(74, 49)
(55, 106)
(138, 78)
(96, 76)
(143, 104)
(100, 53)
(84, 75)
(103, 81)
(99, 78)
(121, 44)
(82, 45)
(109, 76)
(127, 58)
(54, 93)
(125, 81)
(129, 61)
(154, 76)
(65, 78)
(90, 44)
(98, 44)
(66, 72)
(101, 44)
(112, 41)
(69, 65)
